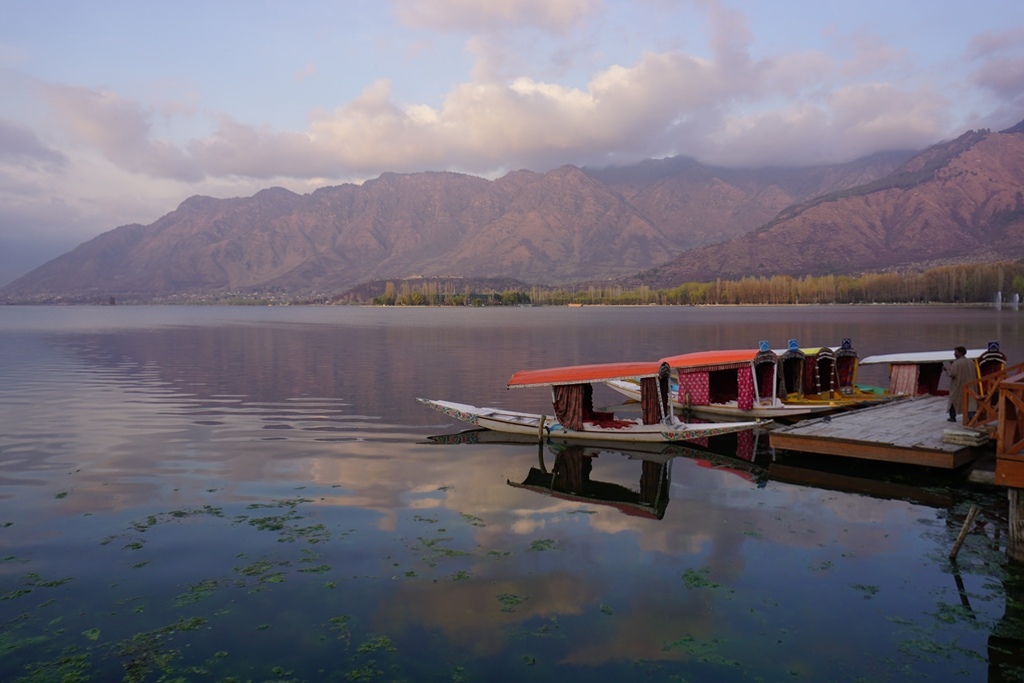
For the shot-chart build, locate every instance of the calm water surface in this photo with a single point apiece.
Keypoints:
(241, 494)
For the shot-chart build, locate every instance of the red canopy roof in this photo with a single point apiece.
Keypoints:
(583, 374)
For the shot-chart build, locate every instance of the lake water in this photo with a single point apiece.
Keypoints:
(251, 494)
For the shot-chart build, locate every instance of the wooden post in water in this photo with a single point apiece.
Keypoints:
(963, 531)
(1015, 547)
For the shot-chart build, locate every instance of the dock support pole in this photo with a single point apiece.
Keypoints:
(963, 531)
(1015, 547)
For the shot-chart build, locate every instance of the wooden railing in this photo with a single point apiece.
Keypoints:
(983, 396)
(1010, 432)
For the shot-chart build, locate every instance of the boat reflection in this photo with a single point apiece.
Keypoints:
(747, 454)
(571, 474)
(570, 479)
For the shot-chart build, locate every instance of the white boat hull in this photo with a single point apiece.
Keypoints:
(512, 422)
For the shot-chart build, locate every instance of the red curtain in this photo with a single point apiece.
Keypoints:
(569, 405)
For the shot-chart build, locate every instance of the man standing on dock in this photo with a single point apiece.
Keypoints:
(960, 372)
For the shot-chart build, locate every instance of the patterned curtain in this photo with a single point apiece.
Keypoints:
(844, 371)
(694, 388)
(765, 382)
(649, 402)
(903, 379)
(811, 383)
(568, 404)
(745, 395)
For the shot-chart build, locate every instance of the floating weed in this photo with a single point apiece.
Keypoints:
(822, 566)
(309, 555)
(92, 634)
(437, 551)
(605, 609)
(868, 591)
(377, 643)
(68, 667)
(498, 553)
(698, 578)
(529, 660)
(460, 575)
(509, 601)
(428, 520)
(319, 569)
(540, 545)
(36, 581)
(151, 521)
(197, 592)
(950, 614)
(144, 652)
(62, 494)
(264, 571)
(284, 524)
(581, 511)
(340, 626)
(367, 672)
(472, 519)
(705, 650)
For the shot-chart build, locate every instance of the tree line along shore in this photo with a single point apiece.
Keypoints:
(959, 284)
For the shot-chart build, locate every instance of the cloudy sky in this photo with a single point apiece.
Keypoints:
(114, 112)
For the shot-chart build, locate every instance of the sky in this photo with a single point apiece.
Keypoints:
(114, 112)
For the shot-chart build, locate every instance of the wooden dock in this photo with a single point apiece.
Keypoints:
(908, 431)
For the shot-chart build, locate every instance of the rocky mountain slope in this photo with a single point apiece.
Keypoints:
(959, 201)
(670, 220)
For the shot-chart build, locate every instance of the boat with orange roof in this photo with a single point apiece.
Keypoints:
(734, 384)
(574, 414)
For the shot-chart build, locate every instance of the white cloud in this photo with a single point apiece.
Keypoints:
(556, 16)
(120, 129)
(20, 145)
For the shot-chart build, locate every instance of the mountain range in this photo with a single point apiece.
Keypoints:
(657, 223)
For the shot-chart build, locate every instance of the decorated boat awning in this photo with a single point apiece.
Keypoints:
(583, 374)
(717, 360)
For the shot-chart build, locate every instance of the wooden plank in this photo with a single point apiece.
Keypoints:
(1010, 472)
(866, 450)
(908, 432)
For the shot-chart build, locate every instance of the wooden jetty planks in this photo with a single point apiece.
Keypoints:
(905, 431)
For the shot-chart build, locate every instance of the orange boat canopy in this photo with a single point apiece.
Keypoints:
(703, 360)
(583, 374)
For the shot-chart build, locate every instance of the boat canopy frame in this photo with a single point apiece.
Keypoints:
(572, 391)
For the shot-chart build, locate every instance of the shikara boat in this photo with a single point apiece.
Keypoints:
(735, 384)
(575, 417)
(919, 373)
(824, 375)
